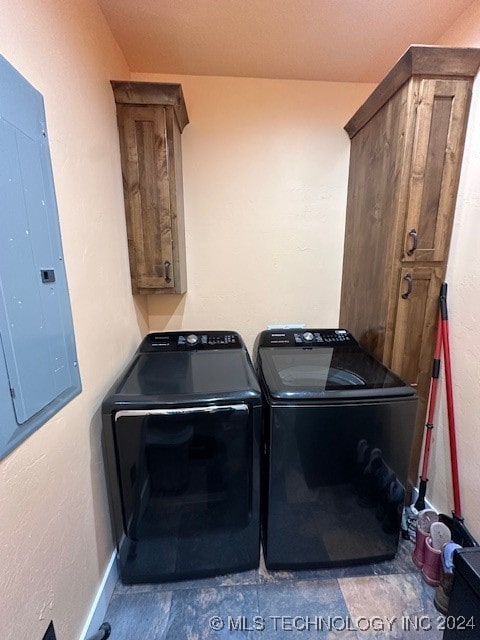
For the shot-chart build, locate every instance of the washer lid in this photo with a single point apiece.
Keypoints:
(327, 372)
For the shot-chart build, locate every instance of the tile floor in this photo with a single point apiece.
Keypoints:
(385, 600)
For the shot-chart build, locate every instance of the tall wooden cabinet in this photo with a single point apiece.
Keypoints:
(151, 116)
(407, 144)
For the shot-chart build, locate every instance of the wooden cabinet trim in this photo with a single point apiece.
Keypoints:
(177, 217)
(418, 60)
(152, 93)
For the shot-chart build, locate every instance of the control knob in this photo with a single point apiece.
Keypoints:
(192, 339)
(308, 336)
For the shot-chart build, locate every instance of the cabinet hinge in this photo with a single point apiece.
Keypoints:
(12, 393)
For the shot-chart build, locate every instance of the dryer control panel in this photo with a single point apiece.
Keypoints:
(306, 338)
(191, 341)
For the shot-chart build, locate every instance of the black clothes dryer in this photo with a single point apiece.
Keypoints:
(181, 432)
(337, 439)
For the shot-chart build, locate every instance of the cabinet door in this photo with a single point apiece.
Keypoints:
(414, 340)
(416, 318)
(435, 170)
(146, 186)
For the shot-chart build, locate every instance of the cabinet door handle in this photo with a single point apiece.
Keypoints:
(409, 280)
(166, 265)
(414, 236)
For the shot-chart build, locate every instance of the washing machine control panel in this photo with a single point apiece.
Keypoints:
(306, 338)
(191, 341)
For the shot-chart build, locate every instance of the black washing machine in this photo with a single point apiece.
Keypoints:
(181, 433)
(338, 433)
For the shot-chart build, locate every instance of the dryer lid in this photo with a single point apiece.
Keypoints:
(184, 378)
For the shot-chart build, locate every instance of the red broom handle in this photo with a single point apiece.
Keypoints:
(432, 399)
(451, 416)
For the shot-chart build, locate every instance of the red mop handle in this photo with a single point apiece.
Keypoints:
(451, 417)
(432, 399)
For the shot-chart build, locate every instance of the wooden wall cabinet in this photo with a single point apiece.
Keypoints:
(407, 144)
(151, 118)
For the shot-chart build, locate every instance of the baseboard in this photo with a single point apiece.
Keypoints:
(100, 604)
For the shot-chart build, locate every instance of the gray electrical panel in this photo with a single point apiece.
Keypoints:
(38, 363)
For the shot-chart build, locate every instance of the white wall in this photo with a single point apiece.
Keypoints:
(55, 538)
(265, 179)
(463, 278)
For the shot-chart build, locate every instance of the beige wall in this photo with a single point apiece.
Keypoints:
(463, 278)
(265, 166)
(265, 184)
(265, 174)
(55, 536)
